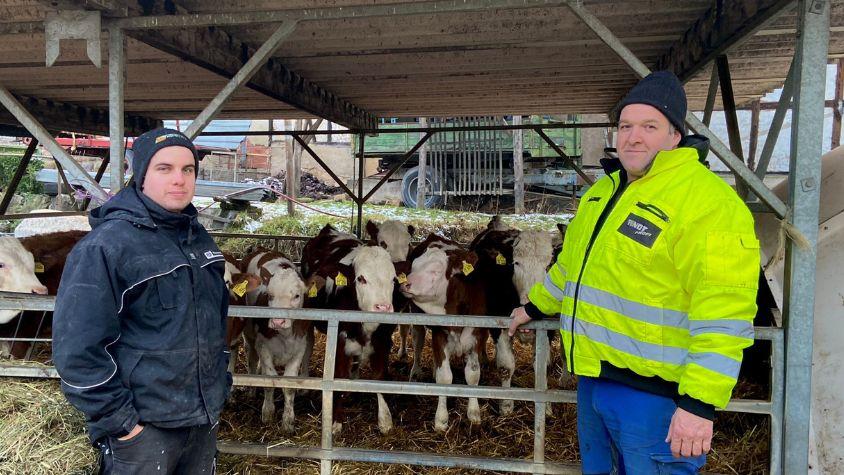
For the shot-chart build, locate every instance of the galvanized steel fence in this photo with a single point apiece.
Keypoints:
(540, 395)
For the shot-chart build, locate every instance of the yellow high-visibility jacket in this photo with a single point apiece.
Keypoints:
(658, 278)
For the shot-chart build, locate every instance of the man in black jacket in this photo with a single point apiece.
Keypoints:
(139, 326)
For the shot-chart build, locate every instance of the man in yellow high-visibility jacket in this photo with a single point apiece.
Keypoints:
(656, 291)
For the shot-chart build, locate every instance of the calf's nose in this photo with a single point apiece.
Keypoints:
(384, 307)
(39, 289)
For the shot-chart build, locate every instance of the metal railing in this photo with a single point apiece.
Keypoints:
(540, 395)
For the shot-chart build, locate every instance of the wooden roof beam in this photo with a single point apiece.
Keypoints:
(60, 116)
(724, 26)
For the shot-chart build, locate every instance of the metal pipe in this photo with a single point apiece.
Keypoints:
(777, 121)
(777, 397)
(328, 396)
(398, 165)
(715, 143)
(324, 166)
(588, 179)
(116, 88)
(422, 171)
(444, 128)
(47, 141)
(804, 196)
(240, 78)
(19, 173)
(540, 371)
(359, 201)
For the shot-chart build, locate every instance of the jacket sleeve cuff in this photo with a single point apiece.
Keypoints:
(533, 312)
(696, 407)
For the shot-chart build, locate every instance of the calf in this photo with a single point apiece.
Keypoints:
(24, 265)
(345, 274)
(395, 236)
(283, 341)
(239, 284)
(443, 281)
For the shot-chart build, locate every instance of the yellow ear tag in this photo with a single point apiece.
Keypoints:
(500, 259)
(340, 280)
(312, 292)
(467, 268)
(240, 289)
(402, 278)
(39, 267)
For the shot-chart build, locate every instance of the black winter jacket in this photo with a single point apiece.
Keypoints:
(140, 320)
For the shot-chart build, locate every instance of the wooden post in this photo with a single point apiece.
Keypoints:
(290, 180)
(518, 166)
(836, 110)
(754, 134)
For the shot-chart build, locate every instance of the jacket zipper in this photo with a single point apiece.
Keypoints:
(653, 210)
(598, 225)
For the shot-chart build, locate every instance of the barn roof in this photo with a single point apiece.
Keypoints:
(352, 61)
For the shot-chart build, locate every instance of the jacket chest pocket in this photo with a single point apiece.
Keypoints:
(167, 289)
(638, 232)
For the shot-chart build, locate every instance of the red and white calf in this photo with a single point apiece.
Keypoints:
(346, 274)
(395, 236)
(443, 281)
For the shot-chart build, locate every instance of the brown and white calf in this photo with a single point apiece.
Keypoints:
(395, 236)
(283, 341)
(31, 265)
(346, 274)
(443, 281)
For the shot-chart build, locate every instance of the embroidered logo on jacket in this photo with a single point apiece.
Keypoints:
(212, 254)
(640, 230)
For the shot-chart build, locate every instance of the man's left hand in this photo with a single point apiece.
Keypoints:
(688, 434)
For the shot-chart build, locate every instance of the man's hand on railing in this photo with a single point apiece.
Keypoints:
(519, 317)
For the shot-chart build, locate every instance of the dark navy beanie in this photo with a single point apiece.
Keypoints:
(145, 146)
(662, 90)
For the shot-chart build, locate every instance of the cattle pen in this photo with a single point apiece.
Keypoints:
(206, 60)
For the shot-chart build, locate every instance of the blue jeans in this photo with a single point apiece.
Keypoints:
(622, 430)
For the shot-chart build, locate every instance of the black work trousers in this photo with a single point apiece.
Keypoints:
(160, 451)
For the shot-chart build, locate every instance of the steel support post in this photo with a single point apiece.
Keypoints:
(360, 201)
(710, 96)
(518, 166)
(324, 166)
(328, 395)
(565, 157)
(716, 145)
(47, 141)
(19, 173)
(776, 123)
(729, 102)
(240, 78)
(401, 163)
(116, 87)
(804, 195)
(540, 370)
(421, 187)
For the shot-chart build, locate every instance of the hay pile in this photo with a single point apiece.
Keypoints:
(40, 433)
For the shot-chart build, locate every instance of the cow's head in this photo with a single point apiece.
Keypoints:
(430, 273)
(394, 236)
(17, 273)
(374, 278)
(532, 251)
(285, 289)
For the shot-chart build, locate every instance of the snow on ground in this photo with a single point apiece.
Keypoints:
(383, 212)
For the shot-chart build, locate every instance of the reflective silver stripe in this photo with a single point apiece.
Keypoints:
(552, 288)
(718, 363)
(739, 328)
(635, 310)
(665, 354)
